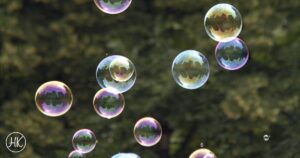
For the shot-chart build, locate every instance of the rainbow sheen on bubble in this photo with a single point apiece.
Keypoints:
(108, 103)
(202, 153)
(147, 131)
(76, 154)
(53, 98)
(126, 155)
(105, 75)
(190, 69)
(84, 141)
(121, 69)
(223, 22)
(232, 55)
(112, 6)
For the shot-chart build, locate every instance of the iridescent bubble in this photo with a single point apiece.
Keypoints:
(53, 98)
(223, 22)
(266, 137)
(121, 69)
(106, 80)
(232, 55)
(202, 153)
(84, 141)
(126, 155)
(76, 154)
(190, 69)
(108, 103)
(112, 6)
(147, 131)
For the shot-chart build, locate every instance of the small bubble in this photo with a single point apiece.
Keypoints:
(201, 145)
(266, 137)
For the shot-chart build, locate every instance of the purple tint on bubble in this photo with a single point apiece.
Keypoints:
(84, 141)
(202, 153)
(54, 98)
(112, 6)
(108, 103)
(232, 55)
(147, 131)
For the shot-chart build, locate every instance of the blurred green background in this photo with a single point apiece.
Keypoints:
(44, 40)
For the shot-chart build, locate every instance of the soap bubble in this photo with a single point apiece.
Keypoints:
(112, 6)
(147, 131)
(121, 69)
(84, 141)
(126, 155)
(53, 98)
(202, 153)
(232, 55)
(76, 154)
(223, 22)
(105, 78)
(108, 103)
(266, 137)
(190, 69)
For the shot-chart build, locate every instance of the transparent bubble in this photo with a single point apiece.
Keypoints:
(105, 79)
(126, 155)
(76, 154)
(53, 98)
(232, 55)
(190, 69)
(223, 22)
(121, 69)
(108, 103)
(202, 153)
(147, 131)
(84, 141)
(266, 137)
(112, 6)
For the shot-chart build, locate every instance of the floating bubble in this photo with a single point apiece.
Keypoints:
(190, 69)
(53, 98)
(112, 6)
(126, 155)
(108, 103)
(147, 131)
(266, 137)
(121, 69)
(232, 55)
(202, 153)
(105, 74)
(76, 154)
(84, 141)
(223, 22)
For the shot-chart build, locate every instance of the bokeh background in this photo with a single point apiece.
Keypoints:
(43, 40)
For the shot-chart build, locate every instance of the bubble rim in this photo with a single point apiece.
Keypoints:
(77, 132)
(113, 13)
(198, 150)
(82, 154)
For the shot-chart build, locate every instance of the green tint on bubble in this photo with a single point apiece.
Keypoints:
(190, 69)
(223, 22)
(84, 141)
(121, 69)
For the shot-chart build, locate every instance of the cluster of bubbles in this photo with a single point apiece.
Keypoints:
(202, 153)
(84, 141)
(147, 131)
(53, 98)
(112, 6)
(126, 155)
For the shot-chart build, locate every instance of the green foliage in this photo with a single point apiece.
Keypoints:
(43, 40)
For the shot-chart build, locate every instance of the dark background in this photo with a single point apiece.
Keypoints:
(44, 40)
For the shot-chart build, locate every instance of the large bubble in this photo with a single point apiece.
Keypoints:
(126, 155)
(232, 55)
(109, 75)
(223, 22)
(84, 141)
(108, 103)
(147, 131)
(112, 6)
(53, 98)
(202, 153)
(190, 69)
(76, 154)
